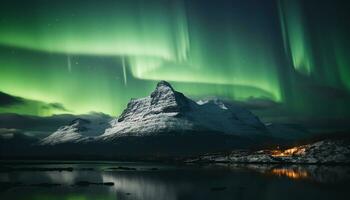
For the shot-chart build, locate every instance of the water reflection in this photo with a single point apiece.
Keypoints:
(184, 182)
(290, 173)
(141, 187)
(316, 173)
(62, 177)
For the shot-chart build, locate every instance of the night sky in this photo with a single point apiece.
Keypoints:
(284, 58)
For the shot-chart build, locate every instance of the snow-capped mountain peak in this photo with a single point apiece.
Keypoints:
(165, 97)
(165, 112)
(168, 111)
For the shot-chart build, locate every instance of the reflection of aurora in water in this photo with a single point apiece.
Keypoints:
(141, 187)
(97, 55)
(178, 182)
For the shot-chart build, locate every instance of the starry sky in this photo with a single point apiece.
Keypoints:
(281, 58)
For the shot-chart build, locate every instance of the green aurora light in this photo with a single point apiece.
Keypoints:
(95, 56)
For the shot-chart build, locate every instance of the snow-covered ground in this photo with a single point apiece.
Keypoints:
(322, 152)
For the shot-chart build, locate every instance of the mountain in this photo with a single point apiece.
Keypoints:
(43, 126)
(79, 130)
(162, 124)
(13, 141)
(168, 124)
(167, 112)
(291, 132)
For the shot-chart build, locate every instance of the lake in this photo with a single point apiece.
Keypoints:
(152, 181)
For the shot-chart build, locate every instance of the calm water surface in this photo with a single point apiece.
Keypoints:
(73, 181)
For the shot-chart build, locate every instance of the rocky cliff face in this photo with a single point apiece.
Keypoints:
(167, 111)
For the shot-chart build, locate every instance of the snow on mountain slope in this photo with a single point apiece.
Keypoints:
(168, 111)
(78, 130)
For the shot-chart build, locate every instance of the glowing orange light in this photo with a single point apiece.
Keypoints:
(288, 152)
(290, 173)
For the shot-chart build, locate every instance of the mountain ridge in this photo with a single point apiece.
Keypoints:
(168, 115)
(167, 110)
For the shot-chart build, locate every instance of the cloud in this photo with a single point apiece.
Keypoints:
(8, 130)
(257, 103)
(56, 106)
(251, 103)
(9, 100)
(8, 133)
(10, 103)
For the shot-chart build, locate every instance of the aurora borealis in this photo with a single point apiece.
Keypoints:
(95, 55)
